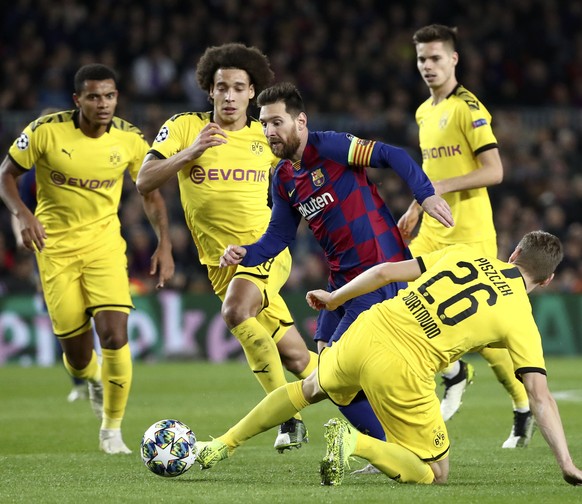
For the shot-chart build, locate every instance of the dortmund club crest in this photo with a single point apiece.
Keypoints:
(115, 157)
(257, 148)
(443, 122)
(317, 177)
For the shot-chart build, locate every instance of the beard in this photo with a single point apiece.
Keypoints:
(287, 150)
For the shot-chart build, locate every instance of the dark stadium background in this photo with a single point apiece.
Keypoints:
(355, 64)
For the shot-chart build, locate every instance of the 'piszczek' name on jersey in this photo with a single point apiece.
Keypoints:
(494, 277)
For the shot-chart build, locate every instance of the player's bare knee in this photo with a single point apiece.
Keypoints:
(296, 363)
(78, 361)
(294, 359)
(233, 314)
(112, 339)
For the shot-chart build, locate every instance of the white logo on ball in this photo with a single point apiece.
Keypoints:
(22, 141)
(163, 134)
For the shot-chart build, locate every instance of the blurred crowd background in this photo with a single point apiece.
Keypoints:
(354, 62)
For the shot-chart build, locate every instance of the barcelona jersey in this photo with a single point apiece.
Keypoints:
(330, 189)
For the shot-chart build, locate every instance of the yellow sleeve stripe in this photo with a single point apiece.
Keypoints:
(360, 152)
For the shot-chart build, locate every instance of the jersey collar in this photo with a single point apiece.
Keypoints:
(453, 91)
(78, 126)
(248, 124)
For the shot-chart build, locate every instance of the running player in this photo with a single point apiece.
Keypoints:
(393, 350)
(323, 179)
(81, 157)
(223, 164)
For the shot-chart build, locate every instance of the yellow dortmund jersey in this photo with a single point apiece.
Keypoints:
(79, 179)
(451, 134)
(224, 192)
(463, 301)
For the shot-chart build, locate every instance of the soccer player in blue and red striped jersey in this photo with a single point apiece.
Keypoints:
(322, 178)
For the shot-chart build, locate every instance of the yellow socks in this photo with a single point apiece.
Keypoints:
(274, 409)
(261, 353)
(116, 373)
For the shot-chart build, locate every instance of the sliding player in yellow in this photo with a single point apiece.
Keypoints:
(461, 158)
(223, 162)
(81, 157)
(457, 299)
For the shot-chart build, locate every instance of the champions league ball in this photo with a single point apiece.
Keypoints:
(168, 448)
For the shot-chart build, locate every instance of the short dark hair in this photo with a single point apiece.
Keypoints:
(93, 71)
(285, 92)
(434, 33)
(540, 254)
(234, 55)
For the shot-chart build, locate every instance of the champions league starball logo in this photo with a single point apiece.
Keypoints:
(22, 141)
(163, 134)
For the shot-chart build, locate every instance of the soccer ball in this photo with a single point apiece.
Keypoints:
(168, 448)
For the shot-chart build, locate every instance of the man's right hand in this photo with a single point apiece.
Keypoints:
(32, 231)
(233, 255)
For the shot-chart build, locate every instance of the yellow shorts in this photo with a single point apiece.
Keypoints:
(77, 287)
(269, 278)
(422, 244)
(406, 405)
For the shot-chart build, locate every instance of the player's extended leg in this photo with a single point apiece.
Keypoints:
(523, 423)
(116, 373)
(271, 411)
(241, 304)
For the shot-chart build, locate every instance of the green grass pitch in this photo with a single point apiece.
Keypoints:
(49, 454)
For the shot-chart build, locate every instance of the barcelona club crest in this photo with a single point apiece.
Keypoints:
(317, 177)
